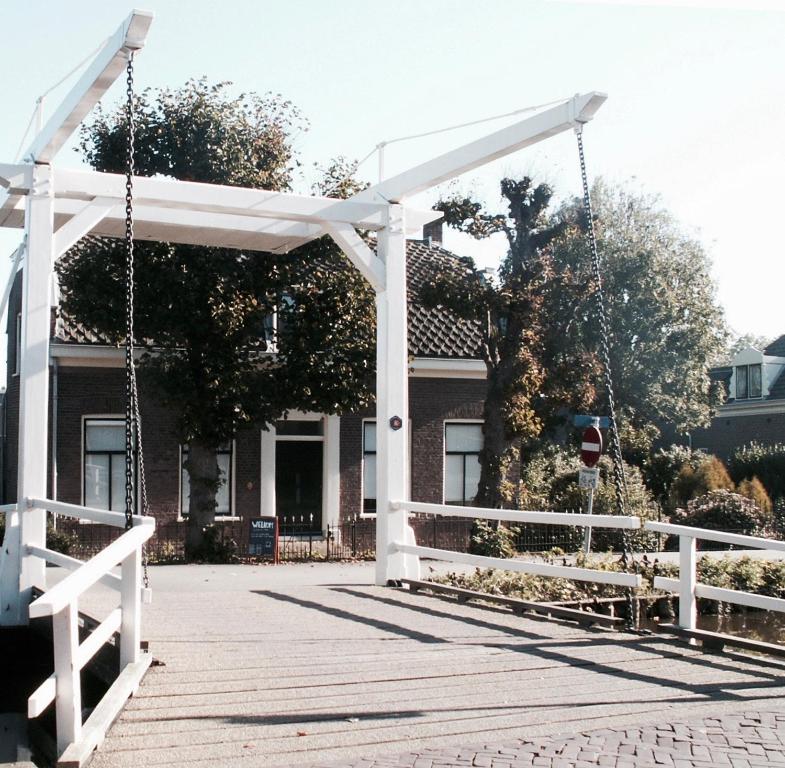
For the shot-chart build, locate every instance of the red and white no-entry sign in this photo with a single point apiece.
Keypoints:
(591, 446)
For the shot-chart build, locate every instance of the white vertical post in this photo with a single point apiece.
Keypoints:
(687, 579)
(33, 402)
(267, 488)
(131, 607)
(392, 399)
(68, 698)
(332, 471)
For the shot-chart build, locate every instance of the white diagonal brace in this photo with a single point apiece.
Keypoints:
(367, 262)
(16, 179)
(96, 80)
(82, 224)
(580, 109)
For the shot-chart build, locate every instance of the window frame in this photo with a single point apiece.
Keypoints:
(445, 453)
(232, 451)
(373, 421)
(86, 420)
(746, 371)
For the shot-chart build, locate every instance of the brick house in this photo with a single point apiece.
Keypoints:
(314, 468)
(754, 407)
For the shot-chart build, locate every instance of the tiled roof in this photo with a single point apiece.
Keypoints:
(777, 389)
(776, 348)
(432, 332)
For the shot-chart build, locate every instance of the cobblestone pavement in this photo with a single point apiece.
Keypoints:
(736, 741)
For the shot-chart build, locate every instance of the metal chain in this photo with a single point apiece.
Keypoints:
(619, 479)
(133, 420)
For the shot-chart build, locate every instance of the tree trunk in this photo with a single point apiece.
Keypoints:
(497, 449)
(203, 473)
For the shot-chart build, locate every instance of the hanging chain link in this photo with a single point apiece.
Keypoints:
(133, 421)
(619, 479)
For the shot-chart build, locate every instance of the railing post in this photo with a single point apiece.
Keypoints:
(68, 699)
(131, 606)
(687, 579)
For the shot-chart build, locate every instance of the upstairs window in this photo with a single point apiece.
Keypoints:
(749, 381)
(462, 446)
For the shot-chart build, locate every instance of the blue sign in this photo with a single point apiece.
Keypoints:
(586, 421)
(262, 536)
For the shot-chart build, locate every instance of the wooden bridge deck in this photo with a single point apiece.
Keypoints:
(300, 665)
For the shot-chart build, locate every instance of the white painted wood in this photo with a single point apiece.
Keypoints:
(267, 477)
(688, 607)
(71, 564)
(82, 224)
(563, 117)
(16, 179)
(116, 519)
(100, 635)
(523, 566)
(68, 699)
(704, 534)
(737, 597)
(392, 397)
(42, 697)
(76, 583)
(102, 717)
(242, 201)
(368, 264)
(91, 86)
(131, 605)
(332, 470)
(34, 391)
(522, 516)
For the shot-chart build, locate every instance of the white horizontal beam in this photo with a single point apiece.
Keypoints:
(737, 597)
(42, 697)
(578, 110)
(364, 259)
(91, 86)
(522, 566)
(71, 564)
(100, 635)
(218, 198)
(16, 179)
(73, 585)
(520, 516)
(116, 519)
(704, 534)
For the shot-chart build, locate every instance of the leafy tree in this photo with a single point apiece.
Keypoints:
(664, 321)
(738, 342)
(205, 315)
(520, 345)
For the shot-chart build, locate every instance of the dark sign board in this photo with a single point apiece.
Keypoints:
(263, 536)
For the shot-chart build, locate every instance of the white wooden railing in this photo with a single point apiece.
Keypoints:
(687, 585)
(75, 740)
(516, 516)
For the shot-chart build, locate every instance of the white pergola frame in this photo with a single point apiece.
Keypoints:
(56, 207)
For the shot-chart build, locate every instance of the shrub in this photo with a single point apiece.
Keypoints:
(215, 547)
(754, 490)
(661, 469)
(538, 472)
(766, 462)
(693, 482)
(60, 541)
(722, 510)
(492, 541)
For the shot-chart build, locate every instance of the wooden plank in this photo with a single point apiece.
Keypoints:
(71, 564)
(704, 534)
(94, 730)
(717, 640)
(96, 639)
(737, 597)
(517, 605)
(42, 697)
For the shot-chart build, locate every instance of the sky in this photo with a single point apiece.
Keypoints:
(695, 111)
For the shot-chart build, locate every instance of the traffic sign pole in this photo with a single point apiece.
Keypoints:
(591, 450)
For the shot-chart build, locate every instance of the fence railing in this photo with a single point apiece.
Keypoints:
(518, 516)
(76, 740)
(687, 586)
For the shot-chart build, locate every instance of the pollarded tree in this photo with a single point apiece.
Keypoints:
(205, 315)
(526, 317)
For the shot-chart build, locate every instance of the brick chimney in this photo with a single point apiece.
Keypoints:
(432, 233)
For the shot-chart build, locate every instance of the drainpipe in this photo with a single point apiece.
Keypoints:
(54, 437)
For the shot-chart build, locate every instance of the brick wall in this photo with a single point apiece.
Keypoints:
(431, 403)
(727, 433)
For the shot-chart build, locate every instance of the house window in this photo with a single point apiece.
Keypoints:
(369, 467)
(749, 381)
(104, 464)
(462, 445)
(18, 349)
(223, 496)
